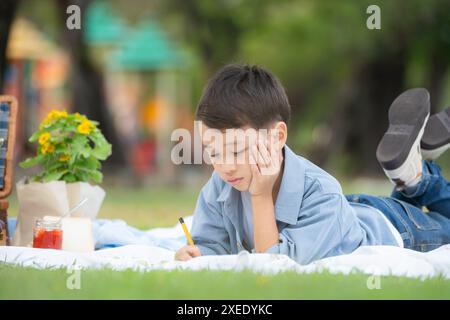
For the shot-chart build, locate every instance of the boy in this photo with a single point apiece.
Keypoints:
(275, 201)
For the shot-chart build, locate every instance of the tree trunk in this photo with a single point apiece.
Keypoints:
(361, 115)
(87, 83)
(8, 9)
(385, 78)
(436, 79)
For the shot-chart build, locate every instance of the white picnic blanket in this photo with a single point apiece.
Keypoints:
(154, 250)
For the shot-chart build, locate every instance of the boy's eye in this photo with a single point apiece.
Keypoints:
(214, 155)
(238, 152)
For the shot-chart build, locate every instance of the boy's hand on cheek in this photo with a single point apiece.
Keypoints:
(265, 164)
(187, 252)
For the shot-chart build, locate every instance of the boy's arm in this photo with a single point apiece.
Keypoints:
(265, 163)
(208, 231)
(265, 231)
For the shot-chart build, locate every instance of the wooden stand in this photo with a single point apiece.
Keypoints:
(4, 236)
(8, 170)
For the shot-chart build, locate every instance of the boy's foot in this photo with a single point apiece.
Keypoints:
(399, 150)
(436, 138)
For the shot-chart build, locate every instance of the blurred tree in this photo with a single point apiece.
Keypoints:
(8, 9)
(383, 74)
(87, 83)
(216, 28)
(342, 77)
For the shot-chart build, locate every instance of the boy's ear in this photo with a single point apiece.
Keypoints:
(280, 132)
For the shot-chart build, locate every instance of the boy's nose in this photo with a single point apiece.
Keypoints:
(228, 168)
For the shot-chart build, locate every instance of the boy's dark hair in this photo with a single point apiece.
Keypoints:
(240, 95)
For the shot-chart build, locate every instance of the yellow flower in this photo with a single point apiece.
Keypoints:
(64, 158)
(48, 148)
(80, 117)
(85, 127)
(43, 138)
(44, 123)
(53, 115)
(56, 114)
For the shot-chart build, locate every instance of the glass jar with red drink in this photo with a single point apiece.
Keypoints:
(47, 234)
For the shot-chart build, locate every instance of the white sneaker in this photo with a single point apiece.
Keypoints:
(436, 139)
(399, 152)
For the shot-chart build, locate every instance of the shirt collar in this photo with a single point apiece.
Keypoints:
(290, 195)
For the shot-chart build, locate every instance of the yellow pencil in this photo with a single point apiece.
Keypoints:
(186, 232)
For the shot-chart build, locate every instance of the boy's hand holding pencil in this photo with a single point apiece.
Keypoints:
(190, 251)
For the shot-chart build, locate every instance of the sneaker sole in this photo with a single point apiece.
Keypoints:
(408, 116)
(412, 164)
(436, 139)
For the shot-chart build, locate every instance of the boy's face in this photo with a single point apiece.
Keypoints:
(229, 150)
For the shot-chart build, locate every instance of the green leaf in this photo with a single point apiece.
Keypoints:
(79, 143)
(54, 165)
(69, 177)
(87, 174)
(62, 148)
(35, 136)
(97, 176)
(85, 152)
(73, 159)
(90, 163)
(36, 178)
(102, 149)
(53, 175)
(31, 161)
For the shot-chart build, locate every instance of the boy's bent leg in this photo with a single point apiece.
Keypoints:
(432, 192)
(420, 231)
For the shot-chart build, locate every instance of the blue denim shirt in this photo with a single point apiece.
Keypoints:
(313, 217)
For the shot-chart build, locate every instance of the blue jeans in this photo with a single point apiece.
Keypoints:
(420, 231)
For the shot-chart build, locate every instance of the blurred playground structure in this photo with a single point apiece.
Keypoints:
(138, 67)
(146, 85)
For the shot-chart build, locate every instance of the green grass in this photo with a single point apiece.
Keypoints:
(149, 208)
(159, 207)
(25, 283)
